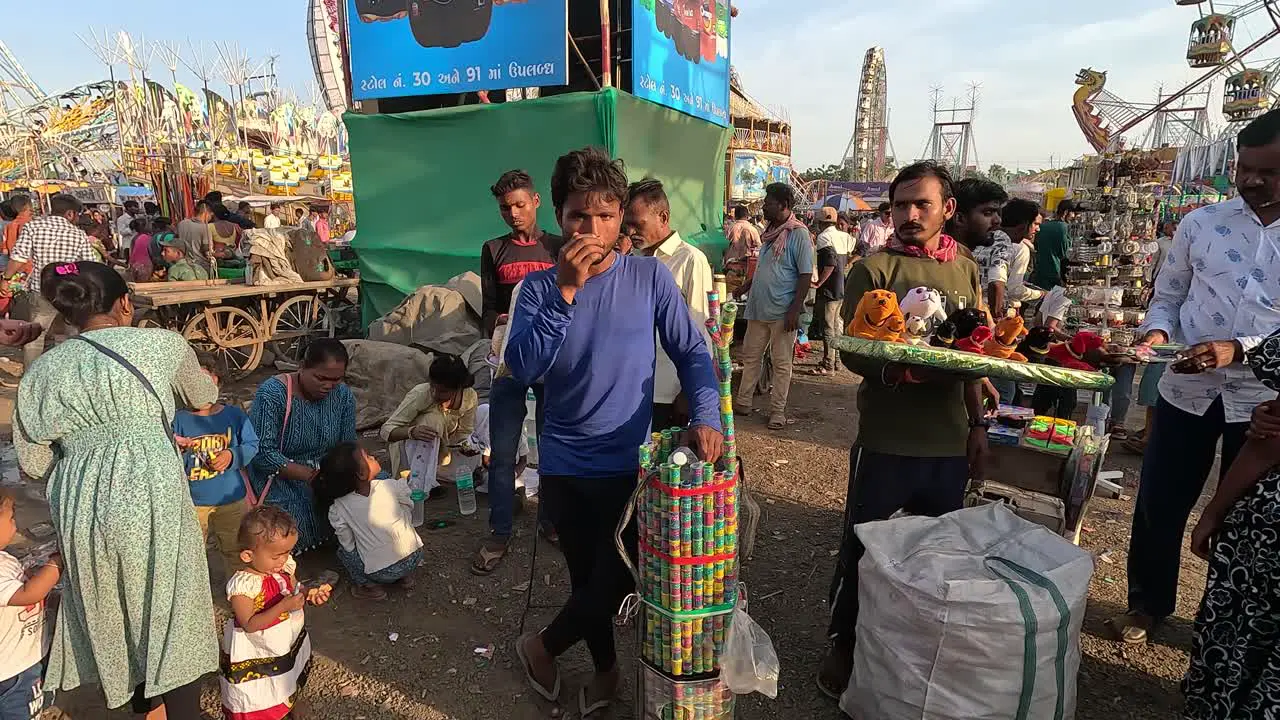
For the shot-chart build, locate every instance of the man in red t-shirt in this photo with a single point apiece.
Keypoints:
(504, 261)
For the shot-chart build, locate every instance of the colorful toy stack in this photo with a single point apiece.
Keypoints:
(688, 565)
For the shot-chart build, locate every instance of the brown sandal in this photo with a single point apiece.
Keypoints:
(488, 558)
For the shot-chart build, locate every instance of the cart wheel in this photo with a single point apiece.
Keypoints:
(235, 335)
(295, 322)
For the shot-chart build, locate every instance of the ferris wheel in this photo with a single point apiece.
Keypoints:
(1216, 43)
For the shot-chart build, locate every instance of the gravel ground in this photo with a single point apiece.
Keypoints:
(439, 664)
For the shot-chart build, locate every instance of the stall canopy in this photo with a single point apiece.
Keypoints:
(422, 179)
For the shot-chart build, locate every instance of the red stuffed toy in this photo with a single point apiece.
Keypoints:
(1071, 354)
(976, 340)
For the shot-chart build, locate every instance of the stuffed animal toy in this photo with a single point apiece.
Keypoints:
(1004, 340)
(921, 309)
(967, 320)
(1071, 354)
(1035, 346)
(877, 317)
(977, 340)
(944, 336)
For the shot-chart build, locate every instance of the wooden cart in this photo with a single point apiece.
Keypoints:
(238, 321)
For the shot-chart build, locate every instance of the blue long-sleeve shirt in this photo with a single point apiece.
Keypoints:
(227, 429)
(597, 356)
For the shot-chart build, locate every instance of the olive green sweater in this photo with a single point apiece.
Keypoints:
(920, 420)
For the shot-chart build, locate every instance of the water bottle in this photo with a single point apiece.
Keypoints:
(466, 494)
(419, 498)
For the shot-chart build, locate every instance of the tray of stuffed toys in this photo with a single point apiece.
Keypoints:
(918, 331)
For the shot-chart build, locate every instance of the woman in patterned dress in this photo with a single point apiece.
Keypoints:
(136, 615)
(1235, 656)
(294, 436)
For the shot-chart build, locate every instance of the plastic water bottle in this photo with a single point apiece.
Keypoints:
(419, 498)
(466, 494)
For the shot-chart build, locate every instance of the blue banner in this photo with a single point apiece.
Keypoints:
(436, 47)
(680, 56)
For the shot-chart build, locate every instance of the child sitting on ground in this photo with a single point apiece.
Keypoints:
(218, 442)
(24, 644)
(372, 519)
(267, 628)
(442, 410)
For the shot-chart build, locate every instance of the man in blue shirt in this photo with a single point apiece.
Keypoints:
(587, 327)
(775, 299)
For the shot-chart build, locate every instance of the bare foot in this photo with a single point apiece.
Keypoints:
(368, 592)
(542, 667)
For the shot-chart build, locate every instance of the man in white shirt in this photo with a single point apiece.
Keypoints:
(1010, 257)
(273, 217)
(647, 220)
(1219, 293)
(123, 231)
(874, 235)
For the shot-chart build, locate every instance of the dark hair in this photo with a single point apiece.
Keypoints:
(63, 204)
(81, 290)
(511, 181)
(588, 170)
(130, 205)
(649, 190)
(972, 192)
(921, 170)
(243, 205)
(264, 524)
(276, 205)
(18, 203)
(299, 212)
(322, 350)
(1263, 130)
(1019, 212)
(160, 224)
(140, 225)
(213, 197)
(740, 213)
(1065, 207)
(451, 372)
(202, 206)
(783, 193)
(340, 471)
(215, 364)
(150, 208)
(884, 207)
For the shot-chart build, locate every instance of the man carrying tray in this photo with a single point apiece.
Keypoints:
(922, 433)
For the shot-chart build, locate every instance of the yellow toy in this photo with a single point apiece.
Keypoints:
(877, 317)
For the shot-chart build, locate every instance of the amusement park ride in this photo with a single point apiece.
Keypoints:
(867, 153)
(1181, 118)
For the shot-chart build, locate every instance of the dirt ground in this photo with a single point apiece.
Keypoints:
(443, 650)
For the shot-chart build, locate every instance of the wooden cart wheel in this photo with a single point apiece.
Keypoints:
(295, 322)
(229, 332)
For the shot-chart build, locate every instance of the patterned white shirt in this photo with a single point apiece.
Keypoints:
(50, 239)
(1007, 262)
(873, 237)
(1220, 281)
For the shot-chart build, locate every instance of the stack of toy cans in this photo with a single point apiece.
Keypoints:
(688, 566)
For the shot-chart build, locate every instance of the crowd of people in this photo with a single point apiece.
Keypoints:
(603, 321)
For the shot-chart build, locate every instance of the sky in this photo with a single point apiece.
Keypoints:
(800, 59)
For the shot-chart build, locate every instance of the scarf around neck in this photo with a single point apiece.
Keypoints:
(779, 232)
(945, 253)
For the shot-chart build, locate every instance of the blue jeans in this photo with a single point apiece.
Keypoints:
(22, 696)
(1120, 394)
(1149, 387)
(354, 565)
(506, 424)
(1008, 390)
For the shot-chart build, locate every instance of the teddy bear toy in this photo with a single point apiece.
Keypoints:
(1004, 340)
(1071, 354)
(877, 317)
(921, 310)
(976, 342)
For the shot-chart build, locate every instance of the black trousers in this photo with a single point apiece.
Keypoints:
(585, 512)
(180, 702)
(1175, 467)
(667, 415)
(879, 486)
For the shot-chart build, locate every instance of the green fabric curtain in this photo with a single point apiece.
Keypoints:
(422, 197)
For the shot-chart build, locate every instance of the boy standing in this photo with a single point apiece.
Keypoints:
(218, 442)
(23, 640)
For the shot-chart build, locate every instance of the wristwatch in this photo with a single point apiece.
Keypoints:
(983, 423)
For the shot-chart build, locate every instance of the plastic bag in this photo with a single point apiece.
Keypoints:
(749, 663)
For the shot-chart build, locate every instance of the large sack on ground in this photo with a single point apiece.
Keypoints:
(380, 374)
(971, 616)
(309, 255)
(439, 318)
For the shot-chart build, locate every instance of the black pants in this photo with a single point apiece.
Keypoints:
(585, 512)
(666, 415)
(1175, 467)
(1054, 401)
(180, 702)
(879, 486)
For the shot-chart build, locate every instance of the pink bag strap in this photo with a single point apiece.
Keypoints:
(252, 500)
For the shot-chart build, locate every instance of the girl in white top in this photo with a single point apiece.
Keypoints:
(372, 518)
(266, 651)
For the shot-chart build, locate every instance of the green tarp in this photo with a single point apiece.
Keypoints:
(422, 179)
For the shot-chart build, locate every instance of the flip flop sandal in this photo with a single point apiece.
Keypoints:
(826, 691)
(584, 709)
(552, 695)
(487, 560)
(779, 423)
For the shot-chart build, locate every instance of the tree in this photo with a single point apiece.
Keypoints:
(834, 171)
(999, 173)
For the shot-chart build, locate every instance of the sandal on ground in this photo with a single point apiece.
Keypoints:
(1135, 445)
(778, 421)
(551, 694)
(1133, 627)
(832, 667)
(1118, 432)
(368, 592)
(584, 709)
(488, 557)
